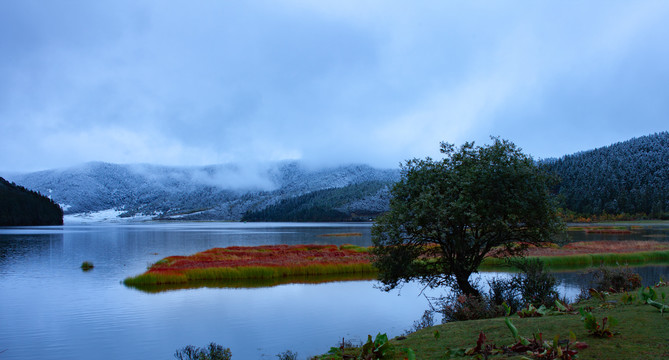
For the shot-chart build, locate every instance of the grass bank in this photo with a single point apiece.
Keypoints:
(579, 261)
(241, 266)
(643, 332)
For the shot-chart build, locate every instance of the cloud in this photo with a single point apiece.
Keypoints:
(326, 82)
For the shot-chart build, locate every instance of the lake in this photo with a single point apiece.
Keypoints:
(51, 309)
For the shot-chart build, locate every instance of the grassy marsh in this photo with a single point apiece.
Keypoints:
(237, 264)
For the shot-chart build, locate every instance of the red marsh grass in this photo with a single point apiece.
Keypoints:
(598, 247)
(257, 263)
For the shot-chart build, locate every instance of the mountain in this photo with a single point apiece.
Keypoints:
(22, 207)
(629, 177)
(217, 192)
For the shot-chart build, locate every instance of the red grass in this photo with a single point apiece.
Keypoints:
(291, 256)
(600, 247)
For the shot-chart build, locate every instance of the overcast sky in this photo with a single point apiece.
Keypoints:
(328, 82)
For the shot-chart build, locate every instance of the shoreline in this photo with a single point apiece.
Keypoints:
(270, 265)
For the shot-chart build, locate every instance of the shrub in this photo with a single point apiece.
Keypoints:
(212, 352)
(425, 321)
(504, 292)
(86, 265)
(461, 307)
(287, 355)
(535, 284)
(615, 279)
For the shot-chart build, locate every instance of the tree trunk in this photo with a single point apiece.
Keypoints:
(462, 280)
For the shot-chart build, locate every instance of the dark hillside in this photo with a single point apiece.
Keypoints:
(629, 177)
(336, 204)
(22, 207)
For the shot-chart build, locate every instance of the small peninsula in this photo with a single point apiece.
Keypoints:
(257, 263)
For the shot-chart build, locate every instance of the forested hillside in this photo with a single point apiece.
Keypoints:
(350, 203)
(629, 177)
(22, 207)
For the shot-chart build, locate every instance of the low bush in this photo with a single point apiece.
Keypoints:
(618, 279)
(287, 355)
(211, 352)
(504, 292)
(461, 307)
(534, 283)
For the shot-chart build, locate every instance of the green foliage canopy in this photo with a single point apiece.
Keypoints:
(446, 215)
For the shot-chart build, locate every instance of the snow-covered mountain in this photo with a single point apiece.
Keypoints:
(222, 192)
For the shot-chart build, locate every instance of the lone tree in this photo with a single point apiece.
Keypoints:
(446, 215)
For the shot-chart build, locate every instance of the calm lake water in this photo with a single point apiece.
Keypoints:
(53, 310)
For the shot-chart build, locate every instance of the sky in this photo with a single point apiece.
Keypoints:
(192, 83)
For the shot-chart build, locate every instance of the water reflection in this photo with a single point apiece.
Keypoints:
(657, 231)
(255, 283)
(51, 309)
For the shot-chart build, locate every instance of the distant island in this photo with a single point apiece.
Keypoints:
(22, 207)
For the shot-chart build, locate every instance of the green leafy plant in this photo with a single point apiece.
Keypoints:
(647, 293)
(531, 311)
(514, 330)
(535, 348)
(659, 305)
(480, 351)
(628, 298)
(483, 350)
(379, 348)
(562, 307)
(596, 328)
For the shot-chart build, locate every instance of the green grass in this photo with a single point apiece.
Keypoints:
(643, 332)
(588, 260)
(355, 248)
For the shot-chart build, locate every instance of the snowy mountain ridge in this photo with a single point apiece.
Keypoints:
(216, 192)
